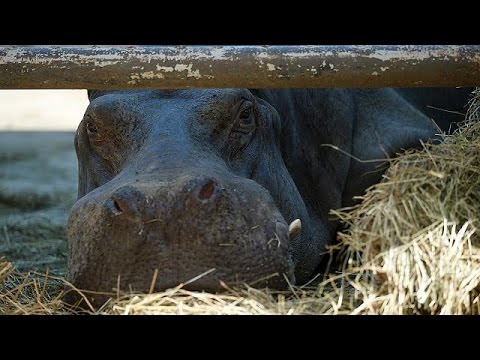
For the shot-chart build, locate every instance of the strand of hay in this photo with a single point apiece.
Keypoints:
(413, 242)
(5, 270)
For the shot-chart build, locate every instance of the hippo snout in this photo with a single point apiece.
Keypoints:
(180, 229)
(130, 202)
(181, 183)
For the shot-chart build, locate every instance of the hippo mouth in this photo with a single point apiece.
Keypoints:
(141, 237)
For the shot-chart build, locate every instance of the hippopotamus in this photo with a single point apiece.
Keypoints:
(208, 187)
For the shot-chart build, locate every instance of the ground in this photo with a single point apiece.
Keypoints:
(38, 175)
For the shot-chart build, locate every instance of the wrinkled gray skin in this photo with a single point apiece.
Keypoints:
(185, 181)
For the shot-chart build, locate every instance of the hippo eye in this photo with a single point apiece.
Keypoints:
(246, 118)
(91, 128)
(246, 115)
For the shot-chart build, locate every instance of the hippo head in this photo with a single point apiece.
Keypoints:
(178, 183)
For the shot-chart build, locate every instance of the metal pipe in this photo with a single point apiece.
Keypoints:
(135, 67)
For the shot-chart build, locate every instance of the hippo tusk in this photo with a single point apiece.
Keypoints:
(294, 228)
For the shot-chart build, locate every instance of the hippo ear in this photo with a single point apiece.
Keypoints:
(93, 94)
(382, 129)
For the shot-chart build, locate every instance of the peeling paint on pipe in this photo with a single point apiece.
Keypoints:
(129, 67)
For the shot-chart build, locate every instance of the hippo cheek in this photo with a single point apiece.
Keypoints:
(230, 235)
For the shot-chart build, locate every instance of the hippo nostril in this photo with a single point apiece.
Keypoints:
(127, 201)
(115, 207)
(207, 190)
(118, 205)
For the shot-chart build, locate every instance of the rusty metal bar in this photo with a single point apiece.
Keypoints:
(128, 67)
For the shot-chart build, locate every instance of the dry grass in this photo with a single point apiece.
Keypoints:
(413, 242)
(29, 293)
(39, 294)
(233, 302)
(412, 247)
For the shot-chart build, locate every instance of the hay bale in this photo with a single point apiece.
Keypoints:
(412, 246)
